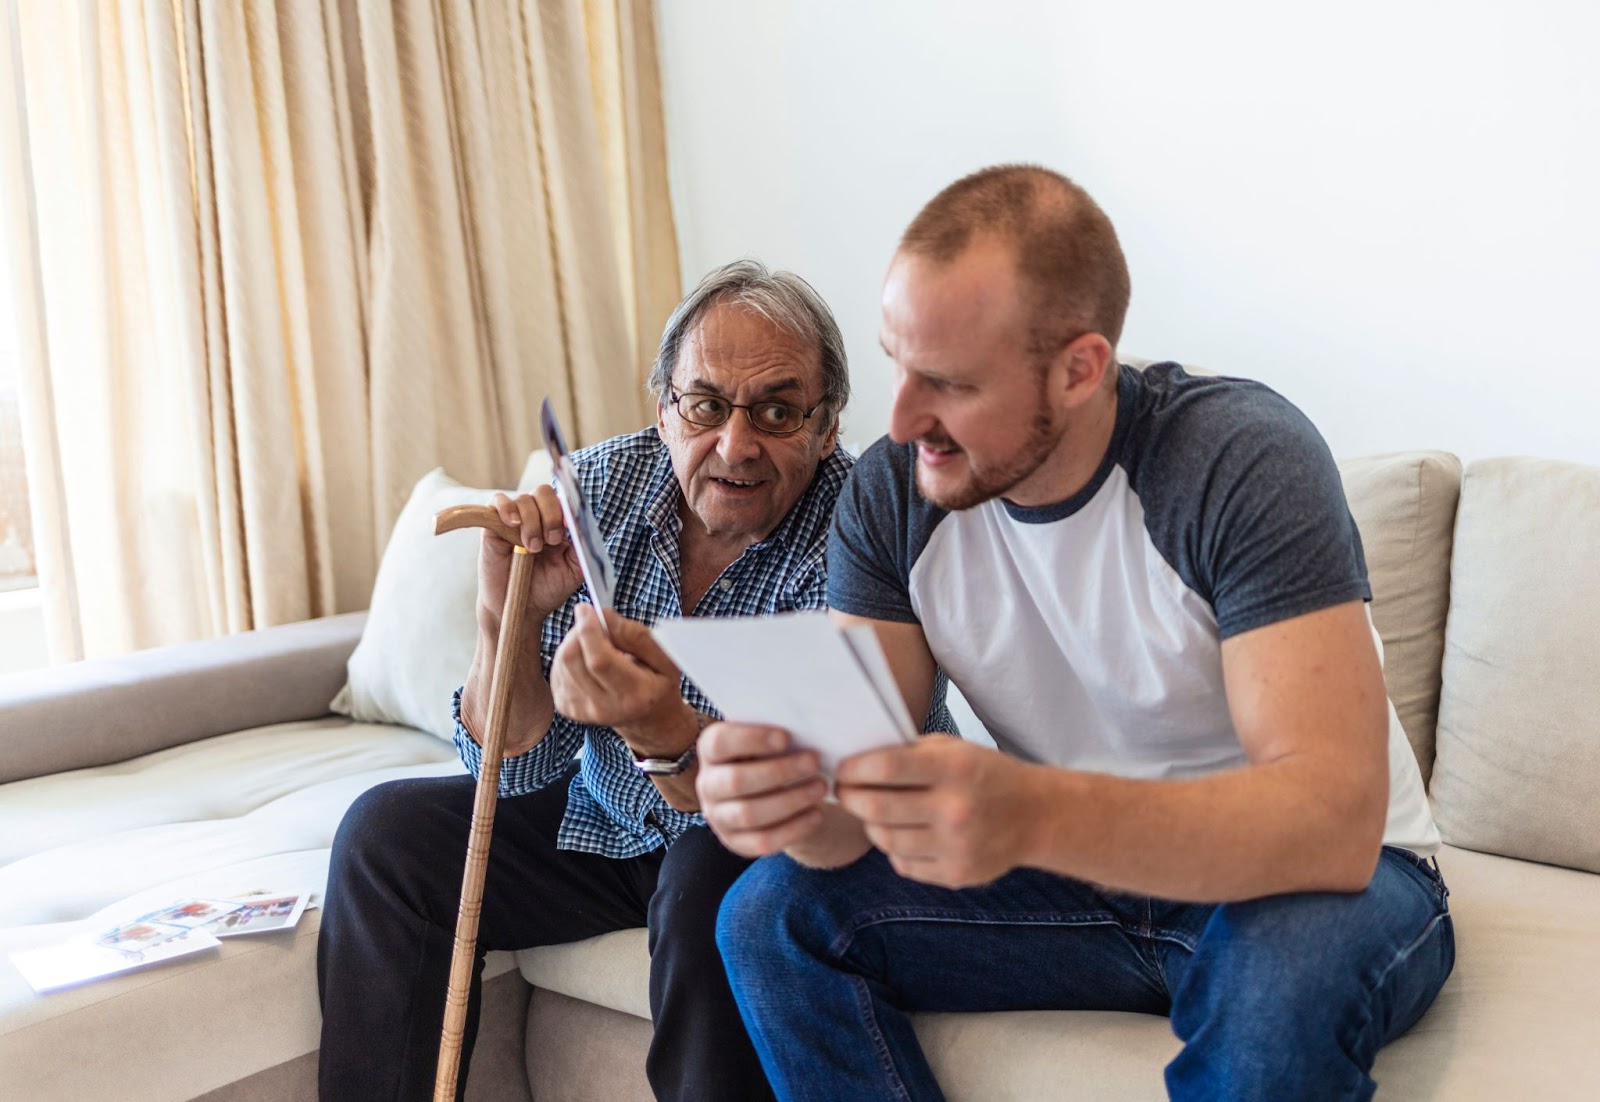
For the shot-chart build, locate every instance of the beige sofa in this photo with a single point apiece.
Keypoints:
(215, 767)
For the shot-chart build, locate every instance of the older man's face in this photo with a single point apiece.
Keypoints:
(737, 480)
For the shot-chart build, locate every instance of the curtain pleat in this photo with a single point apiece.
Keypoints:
(282, 260)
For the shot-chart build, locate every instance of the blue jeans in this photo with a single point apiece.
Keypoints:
(1289, 996)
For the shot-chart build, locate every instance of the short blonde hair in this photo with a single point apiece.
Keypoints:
(1066, 248)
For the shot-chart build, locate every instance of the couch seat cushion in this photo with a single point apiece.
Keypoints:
(612, 970)
(1515, 1020)
(72, 843)
(82, 850)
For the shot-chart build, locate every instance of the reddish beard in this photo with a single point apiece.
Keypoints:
(987, 481)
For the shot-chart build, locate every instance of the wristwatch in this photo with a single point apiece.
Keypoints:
(672, 767)
(666, 767)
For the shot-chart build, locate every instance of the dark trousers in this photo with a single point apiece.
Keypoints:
(388, 931)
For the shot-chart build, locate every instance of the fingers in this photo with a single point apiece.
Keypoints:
(536, 515)
(931, 856)
(774, 839)
(604, 654)
(892, 807)
(924, 762)
(757, 776)
(909, 844)
(770, 812)
(638, 641)
(594, 647)
(758, 794)
(929, 870)
(734, 742)
(575, 687)
(596, 681)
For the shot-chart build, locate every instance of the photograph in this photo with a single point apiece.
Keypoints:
(258, 915)
(139, 935)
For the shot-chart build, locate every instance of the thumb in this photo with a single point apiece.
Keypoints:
(636, 639)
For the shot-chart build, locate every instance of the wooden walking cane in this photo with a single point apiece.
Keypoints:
(483, 803)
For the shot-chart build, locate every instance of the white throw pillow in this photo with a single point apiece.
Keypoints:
(422, 626)
(537, 471)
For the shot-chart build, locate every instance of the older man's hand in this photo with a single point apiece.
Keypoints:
(618, 676)
(556, 574)
(759, 794)
(945, 812)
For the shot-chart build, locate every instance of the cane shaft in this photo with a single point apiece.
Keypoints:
(507, 648)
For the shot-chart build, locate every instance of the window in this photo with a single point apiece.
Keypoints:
(22, 635)
(16, 530)
(17, 569)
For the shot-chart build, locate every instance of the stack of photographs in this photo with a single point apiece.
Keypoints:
(178, 930)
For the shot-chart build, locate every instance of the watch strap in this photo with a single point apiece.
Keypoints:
(672, 767)
(666, 767)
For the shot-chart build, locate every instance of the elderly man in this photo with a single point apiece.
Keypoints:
(1150, 588)
(722, 508)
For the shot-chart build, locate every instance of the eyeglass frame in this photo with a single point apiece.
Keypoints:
(675, 396)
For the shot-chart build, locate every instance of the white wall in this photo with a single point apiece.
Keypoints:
(1388, 210)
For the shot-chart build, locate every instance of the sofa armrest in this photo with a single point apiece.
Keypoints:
(109, 710)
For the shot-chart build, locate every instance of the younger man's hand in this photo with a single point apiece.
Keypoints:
(944, 811)
(758, 793)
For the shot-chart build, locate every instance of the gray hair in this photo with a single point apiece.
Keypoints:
(783, 298)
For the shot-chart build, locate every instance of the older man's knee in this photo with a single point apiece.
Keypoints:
(396, 830)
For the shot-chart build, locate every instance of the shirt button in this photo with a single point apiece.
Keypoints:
(725, 585)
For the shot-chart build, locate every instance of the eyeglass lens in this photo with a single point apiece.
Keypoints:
(709, 411)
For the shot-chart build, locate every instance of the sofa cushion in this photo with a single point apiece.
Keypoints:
(73, 843)
(422, 627)
(1515, 1019)
(83, 850)
(612, 970)
(1405, 508)
(176, 1030)
(1517, 771)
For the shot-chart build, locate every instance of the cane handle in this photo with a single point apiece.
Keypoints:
(475, 516)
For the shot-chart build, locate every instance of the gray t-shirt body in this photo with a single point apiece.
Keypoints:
(1088, 633)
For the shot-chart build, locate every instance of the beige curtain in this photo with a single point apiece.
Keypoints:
(277, 260)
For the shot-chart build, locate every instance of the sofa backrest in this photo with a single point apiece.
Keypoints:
(1405, 507)
(1517, 771)
(111, 709)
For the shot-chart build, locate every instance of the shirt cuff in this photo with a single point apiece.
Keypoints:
(529, 771)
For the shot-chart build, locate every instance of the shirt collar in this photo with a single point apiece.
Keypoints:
(661, 504)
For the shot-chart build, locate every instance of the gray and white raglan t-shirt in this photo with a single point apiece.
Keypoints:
(1088, 633)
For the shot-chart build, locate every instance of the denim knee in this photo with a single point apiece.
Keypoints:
(754, 908)
(1292, 996)
(778, 903)
(780, 907)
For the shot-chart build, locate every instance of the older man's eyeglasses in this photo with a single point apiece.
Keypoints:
(708, 411)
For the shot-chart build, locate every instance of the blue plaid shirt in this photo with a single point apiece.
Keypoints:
(612, 808)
